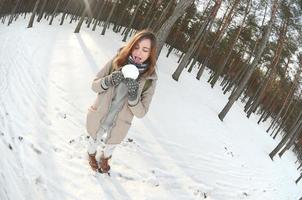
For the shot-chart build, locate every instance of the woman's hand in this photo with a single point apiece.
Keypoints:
(132, 86)
(114, 79)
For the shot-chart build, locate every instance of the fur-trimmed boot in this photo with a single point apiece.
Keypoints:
(92, 162)
(104, 166)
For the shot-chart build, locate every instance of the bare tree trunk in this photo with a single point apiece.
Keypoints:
(76, 13)
(284, 106)
(290, 95)
(287, 116)
(31, 21)
(273, 67)
(64, 12)
(108, 18)
(258, 55)
(163, 15)
(203, 41)
(95, 7)
(220, 33)
(55, 12)
(232, 44)
(263, 85)
(194, 45)
(196, 53)
(118, 24)
(299, 166)
(42, 11)
(148, 15)
(295, 127)
(13, 12)
(180, 57)
(169, 50)
(132, 20)
(99, 16)
(290, 143)
(164, 31)
(1, 6)
(83, 15)
(259, 96)
(285, 120)
(297, 181)
(270, 104)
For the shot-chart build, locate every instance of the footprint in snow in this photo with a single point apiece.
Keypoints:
(61, 115)
(245, 194)
(229, 152)
(131, 144)
(71, 141)
(39, 182)
(79, 142)
(200, 191)
(35, 149)
(152, 181)
(128, 178)
(56, 149)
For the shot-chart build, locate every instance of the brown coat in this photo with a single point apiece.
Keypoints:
(98, 110)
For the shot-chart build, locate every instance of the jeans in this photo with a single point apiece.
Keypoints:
(93, 143)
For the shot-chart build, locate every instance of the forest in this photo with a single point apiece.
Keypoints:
(253, 48)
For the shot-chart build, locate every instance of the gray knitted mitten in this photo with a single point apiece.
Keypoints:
(133, 86)
(114, 79)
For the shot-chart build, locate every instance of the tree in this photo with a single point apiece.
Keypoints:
(233, 41)
(65, 12)
(271, 75)
(31, 21)
(114, 2)
(132, 20)
(118, 25)
(300, 177)
(84, 13)
(148, 15)
(258, 53)
(219, 34)
(42, 11)
(197, 40)
(13, 12)
(164, 31)
(99, 15)
(55, 11)
(164, 14)
(295, 129)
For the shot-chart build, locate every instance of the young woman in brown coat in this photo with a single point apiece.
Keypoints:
(120, 98)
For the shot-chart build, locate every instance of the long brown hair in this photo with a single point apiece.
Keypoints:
(125, 51)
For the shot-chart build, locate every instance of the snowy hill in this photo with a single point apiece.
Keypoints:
(180, 150)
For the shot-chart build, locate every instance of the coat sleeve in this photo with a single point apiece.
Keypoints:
(141, 108)
(98, 80)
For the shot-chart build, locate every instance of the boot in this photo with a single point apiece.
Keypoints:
(104, 166)
(92, 162)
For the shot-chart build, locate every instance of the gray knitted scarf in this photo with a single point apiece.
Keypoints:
(141, 67)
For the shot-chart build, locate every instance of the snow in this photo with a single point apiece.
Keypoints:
(130, 71)
(180, 150)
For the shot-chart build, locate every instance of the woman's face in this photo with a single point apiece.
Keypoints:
(141, 51)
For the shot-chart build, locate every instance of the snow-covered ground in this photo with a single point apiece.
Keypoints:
(180, 150)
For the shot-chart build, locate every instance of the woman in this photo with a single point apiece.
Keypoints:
(120, 98)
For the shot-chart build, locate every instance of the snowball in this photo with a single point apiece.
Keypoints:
(130, 71)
